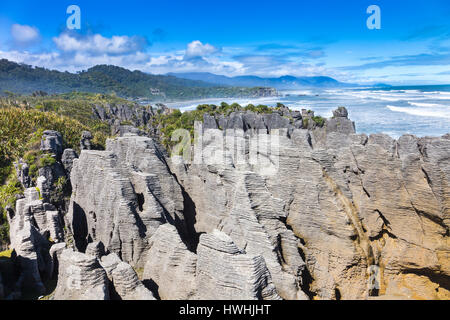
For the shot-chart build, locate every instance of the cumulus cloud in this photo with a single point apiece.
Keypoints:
(24, 35)
(98, 44)
(76, 52)
(198, 49)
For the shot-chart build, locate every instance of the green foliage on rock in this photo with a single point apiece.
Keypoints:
(46, 160)
(319, 121)
(168, 123)
(8, 197)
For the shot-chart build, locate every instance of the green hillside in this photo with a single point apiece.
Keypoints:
(24, 79)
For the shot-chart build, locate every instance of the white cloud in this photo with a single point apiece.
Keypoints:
(97, 44)
(23, 34)
(75, 52)
(198, 49)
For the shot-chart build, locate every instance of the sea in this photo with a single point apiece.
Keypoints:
(418, 110)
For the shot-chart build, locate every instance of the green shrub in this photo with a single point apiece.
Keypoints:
(319, 120)
(46, 160)
(21, 131)
(61, 183)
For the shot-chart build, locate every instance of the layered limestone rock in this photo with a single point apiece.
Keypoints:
(224, 272)
(121, 196)
(170, 265)
(282, 118)
(219, 270)
(67, 159)
(96, 249)
(80, 277)
(85, 142)
(22, 172)
(282, 211)
(124, 279)
(52, 142)
(229, 191)
(138, 115)
(30, 226)
(342, 216)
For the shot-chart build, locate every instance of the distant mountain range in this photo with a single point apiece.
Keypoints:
(285, 82)
(25, 79)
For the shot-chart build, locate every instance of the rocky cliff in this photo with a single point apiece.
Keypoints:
(344, 216)
(274, 206)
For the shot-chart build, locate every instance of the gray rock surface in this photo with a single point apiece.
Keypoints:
(124, 279)
(52, 143)
(85, 142)
(224, 272)
(232, 196)
(127, 284)
(121, 196)
(80, 277)
(30, 225)
(48, 176)
(339, 208)
(96, 249)
(137, 114)
(67, 159)
(22, 172)
(323, 213)
(170, 265)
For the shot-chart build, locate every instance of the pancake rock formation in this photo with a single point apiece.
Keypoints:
(266, 206)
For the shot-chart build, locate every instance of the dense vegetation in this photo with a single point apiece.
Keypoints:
(24, 79)
(22, 123)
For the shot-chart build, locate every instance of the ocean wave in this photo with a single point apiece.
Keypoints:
(423, 112)
(428, 105)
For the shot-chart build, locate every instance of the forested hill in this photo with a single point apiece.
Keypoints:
(25, 79)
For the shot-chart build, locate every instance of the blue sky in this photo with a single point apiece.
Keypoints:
(264, 38)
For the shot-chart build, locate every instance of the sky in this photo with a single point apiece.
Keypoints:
(232, 38)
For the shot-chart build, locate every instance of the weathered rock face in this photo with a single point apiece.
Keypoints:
(96, 249)
(30, 226)
(22, 172)
(67, 159)
(343, 210)
(282, 212)
(52, 142)
(85, 142)
(224, 272)
(124, 279)
(48, 176)
(138, 115)
(232, 196)
(170, 265)
(282, 118)
(80, 277)
(121, 196)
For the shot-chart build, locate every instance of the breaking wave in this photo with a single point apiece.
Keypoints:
(423, 112)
